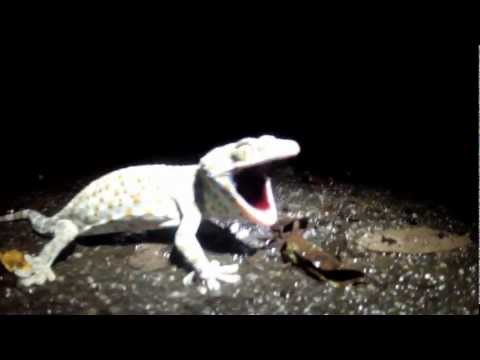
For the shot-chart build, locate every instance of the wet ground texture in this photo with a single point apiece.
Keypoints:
(140, 274)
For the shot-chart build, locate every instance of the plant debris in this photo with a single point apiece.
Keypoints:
(314, 260)
(413, 240)
(286, 225)
(13, 260)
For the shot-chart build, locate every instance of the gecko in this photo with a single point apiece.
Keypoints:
(229, 181)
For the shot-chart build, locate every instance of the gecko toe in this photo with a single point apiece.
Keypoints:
(229, 269)
(213, 275)
(229, 278)
(213, 285)
(188, 279)
(37, 274)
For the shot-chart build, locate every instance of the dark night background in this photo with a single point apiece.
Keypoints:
(393, 114)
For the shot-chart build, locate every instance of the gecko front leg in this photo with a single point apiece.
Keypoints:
(187, 243)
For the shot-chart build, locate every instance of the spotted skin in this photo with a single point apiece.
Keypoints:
(140, 198)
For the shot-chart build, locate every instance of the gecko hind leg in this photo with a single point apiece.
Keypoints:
(40, 270)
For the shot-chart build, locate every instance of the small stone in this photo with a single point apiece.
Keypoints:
(92, 311)
(115, 309)
(234, 228)
(149, 258)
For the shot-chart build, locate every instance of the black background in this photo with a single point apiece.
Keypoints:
(396, 114)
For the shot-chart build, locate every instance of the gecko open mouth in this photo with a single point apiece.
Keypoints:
(251, 183)
(254, 186)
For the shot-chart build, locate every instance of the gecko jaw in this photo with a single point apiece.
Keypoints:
(254, 194)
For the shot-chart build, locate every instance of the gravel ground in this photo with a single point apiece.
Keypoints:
(121, 274)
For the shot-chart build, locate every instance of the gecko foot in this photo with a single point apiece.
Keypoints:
(213, 274)
(36, 274)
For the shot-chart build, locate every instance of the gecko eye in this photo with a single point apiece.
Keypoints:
(241, 153)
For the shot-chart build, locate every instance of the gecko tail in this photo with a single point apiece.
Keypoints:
(40, 222)
(19, 215)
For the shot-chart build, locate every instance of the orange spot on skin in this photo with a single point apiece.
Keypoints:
(149, 212)
(136, 199)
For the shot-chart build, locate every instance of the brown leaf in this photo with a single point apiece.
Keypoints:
(13, 260)
(314, 260)
(287, 225)
(413, 240)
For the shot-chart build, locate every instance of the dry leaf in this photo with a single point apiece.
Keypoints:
(413, 240)
(13, 260)
(314, 260)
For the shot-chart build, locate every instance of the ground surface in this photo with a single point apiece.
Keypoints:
(133, 275)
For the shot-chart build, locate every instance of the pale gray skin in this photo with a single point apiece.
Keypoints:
(140, 198)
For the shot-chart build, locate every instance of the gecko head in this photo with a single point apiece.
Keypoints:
(239, 171)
